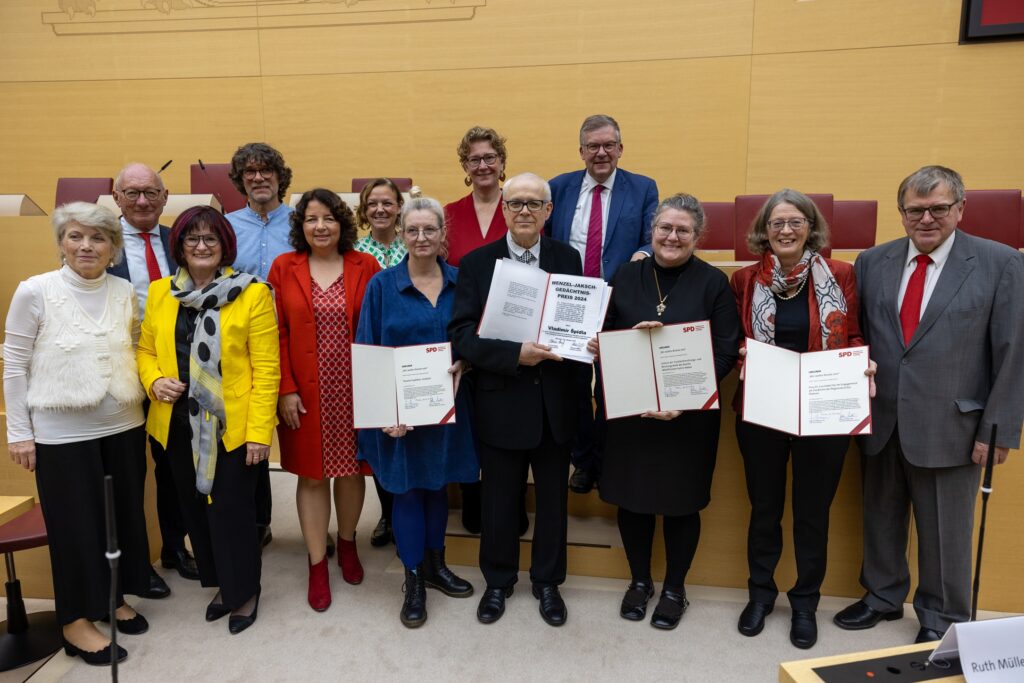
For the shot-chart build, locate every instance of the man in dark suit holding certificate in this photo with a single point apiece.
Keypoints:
(943, 312)
(524, 410)
(605, 213)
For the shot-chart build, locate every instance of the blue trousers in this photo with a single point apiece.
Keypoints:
(419, 519)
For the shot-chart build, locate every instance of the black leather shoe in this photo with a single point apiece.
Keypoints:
(437, 575)
(752, 617)
(265, 535)
(669, 610)
(130, 627)
(239, 622)
(158, 588)
(634, 602)
(414, 608)
(581, 481)
(552, 607)
(381, 535)
(99, 658)
(860, 616)
(183, 562)
(216, 610)
(330, 545)
(492, 604)
(804, 631)
(927, 635)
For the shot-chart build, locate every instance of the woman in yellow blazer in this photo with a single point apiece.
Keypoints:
(209, 360)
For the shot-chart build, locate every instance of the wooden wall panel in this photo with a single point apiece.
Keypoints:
(856, 122)
(785, 26)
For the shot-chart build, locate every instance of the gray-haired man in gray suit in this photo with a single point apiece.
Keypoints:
(949, 343)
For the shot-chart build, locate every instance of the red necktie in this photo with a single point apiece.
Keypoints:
(152, 265)
(910, 310)
(592, 258)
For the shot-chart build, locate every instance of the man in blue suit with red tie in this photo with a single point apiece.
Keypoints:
(605, 213)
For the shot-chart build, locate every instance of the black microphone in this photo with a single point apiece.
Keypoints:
(112, 556)
(986, 489)
(169, 161)
(213, 186)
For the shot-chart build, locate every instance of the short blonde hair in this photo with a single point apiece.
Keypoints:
(90, 216)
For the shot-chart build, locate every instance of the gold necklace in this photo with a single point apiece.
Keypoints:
(660, 308)
(798, 290)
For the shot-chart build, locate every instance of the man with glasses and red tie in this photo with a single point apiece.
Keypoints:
(943, 313)
(605, 213)
(261, 229)
(140, 194)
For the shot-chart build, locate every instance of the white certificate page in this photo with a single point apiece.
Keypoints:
(425, 389)
(834, 392)
(684, 366)
(374, 396)
(514, 303)
(573, 313)
(771, 387)
(628, 373)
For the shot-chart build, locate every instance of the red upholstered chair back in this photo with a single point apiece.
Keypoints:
(747, 207)
(213, 179)
(82, 190)
(854, 224)
(994, 215)
(404, 184)
(719, 225)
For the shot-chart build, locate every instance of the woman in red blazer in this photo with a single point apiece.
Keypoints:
(319, 291)
(794, 298)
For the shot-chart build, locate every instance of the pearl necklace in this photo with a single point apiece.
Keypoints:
(798, 290)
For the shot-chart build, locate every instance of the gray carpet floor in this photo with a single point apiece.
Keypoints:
(360, 637)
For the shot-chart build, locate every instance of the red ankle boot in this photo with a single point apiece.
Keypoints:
(348, 560)
(319, 594)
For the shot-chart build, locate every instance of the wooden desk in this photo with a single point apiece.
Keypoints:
(802, 671)
(13, 506)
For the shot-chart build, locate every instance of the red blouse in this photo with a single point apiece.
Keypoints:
(464, 229)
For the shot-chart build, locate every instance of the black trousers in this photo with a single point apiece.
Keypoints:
(264, 496)
(69, 478)
(817, 467)
(168, 509)
(503, 473)
(682, 533)
(387, 500)
(588, 450)
(220, 526)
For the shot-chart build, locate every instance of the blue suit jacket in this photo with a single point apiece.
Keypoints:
(634, 199)
(121, 269)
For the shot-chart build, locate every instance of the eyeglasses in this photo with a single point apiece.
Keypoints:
(916, 213)
(251, 173)
(428, 232)
(486, 160)
(151, 194)
(193, 241)
(682, 234)
(516, 205)
(794, 224)
(594, 147)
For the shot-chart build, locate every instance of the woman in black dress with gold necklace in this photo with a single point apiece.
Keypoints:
(661, 463)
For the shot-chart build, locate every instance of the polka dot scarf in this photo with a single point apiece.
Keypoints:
(205, 387)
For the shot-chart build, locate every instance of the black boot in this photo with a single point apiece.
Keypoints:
(436, 574)
(414, 609)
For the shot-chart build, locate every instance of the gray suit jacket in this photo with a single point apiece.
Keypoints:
(963, 369)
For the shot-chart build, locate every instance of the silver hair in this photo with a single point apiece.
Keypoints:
(527, 176)
(423, 204)
(683, 202)
(137, 164)
(592, 123)
(90, 216)
(925, 179)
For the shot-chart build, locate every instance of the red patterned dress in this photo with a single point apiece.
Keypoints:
(333, 360)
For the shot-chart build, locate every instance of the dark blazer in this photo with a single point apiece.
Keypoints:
(512, 401)
(634, 199)
(121, 269)
(962, 370)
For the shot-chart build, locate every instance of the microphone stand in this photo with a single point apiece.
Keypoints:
(986, 489)
(112, 557)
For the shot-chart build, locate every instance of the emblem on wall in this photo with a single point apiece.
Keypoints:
(94, 17)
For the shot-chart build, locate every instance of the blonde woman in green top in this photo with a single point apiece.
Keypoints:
(380, 204)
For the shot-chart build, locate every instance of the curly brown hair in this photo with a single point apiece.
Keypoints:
(338, 208)
(482, 134)
(261, 154)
